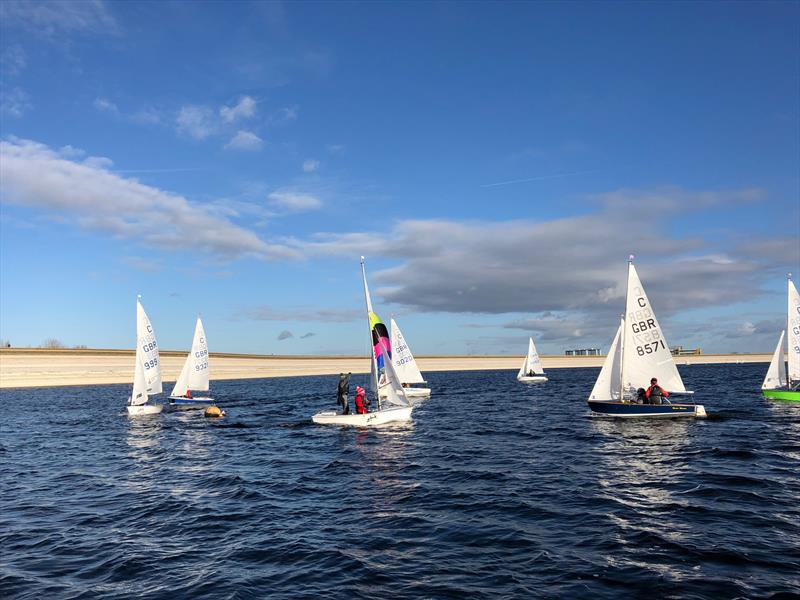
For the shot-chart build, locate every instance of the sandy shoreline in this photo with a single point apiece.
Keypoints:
(47, 368)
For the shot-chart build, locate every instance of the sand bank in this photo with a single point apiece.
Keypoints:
(42, 368)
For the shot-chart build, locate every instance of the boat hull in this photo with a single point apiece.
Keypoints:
(532, 379)
(379, 417)
(181, 403)
(139, 410)
(791, 395)
(628, 410)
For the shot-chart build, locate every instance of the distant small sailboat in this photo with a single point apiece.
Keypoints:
(638, 353)
(782, 383)
(531, 370)
(194, 375)
(147, 373)
(384, 377)
(406, 365)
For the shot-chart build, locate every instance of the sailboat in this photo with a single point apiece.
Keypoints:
(782, 383)
(406, 365)
(531, 370)
(147, 373)
(385, 379)
(638, 352)
(194, 375)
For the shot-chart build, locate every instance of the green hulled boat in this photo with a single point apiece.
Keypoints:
(782, 383)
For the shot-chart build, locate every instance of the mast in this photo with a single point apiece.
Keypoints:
(373, 358)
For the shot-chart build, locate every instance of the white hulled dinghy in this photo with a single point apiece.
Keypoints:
(194, 375)
(782, 383)
(147, 373)
(531, 370)
(393, 404)
(406, 366)
(638, 353)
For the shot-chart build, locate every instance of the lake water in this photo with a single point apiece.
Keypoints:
(495, 490)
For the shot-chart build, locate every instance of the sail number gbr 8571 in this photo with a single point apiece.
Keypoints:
(646, 334)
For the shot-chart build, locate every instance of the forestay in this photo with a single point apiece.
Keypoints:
(607, 386)
(404, 363)
(776, 374)
(645, 352)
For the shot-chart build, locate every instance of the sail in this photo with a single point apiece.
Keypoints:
(645, 352)
(182, 384)
(404, 363)
(534, 363)
(794, 333)
(147, 351)
(395, 394)
(776, 374)
(607, 386)
(198, 373)
(139, 392)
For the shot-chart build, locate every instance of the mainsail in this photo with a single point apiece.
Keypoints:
(776, 374)
(645, 352)
(404, 363)
(794, 333)
(147, 373)
(607, 385)
(195, 372)
(531, 362)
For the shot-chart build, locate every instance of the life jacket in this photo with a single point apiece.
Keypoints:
(359, 402)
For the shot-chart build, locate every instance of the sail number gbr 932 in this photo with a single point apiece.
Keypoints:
(645, 332)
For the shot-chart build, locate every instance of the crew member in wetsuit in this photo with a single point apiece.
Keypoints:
(342, 391)
(361, 406)
(655, 393)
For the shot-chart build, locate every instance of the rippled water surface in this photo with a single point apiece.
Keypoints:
(495, 490)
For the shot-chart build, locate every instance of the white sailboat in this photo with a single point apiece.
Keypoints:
(638, 353)
(782, 383)
(393, 404)
(194, 375)
(147, 373)
(531, 370)
(405, 365)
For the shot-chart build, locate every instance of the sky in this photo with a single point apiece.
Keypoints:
(495, 162)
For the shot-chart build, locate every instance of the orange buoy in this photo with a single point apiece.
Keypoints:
(214, 411)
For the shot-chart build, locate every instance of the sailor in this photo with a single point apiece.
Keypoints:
(530, 373)
(342, 392)
(188, 394)
(655, 393)
(361, 407)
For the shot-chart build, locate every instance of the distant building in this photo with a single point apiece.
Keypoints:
(583, 352)
(680, 351)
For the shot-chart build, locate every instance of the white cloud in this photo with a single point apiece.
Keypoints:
(196, 121)
(93, 197)
(14, 102)
(284, 115)
(244, 109)
(294, 201)
(302, 313)
(336, 148)
(13, 60)
(51, 17)
(105, 105)
(310, 165)
(245, 140)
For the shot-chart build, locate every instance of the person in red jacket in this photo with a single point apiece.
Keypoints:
(361, 407)
(655, 393)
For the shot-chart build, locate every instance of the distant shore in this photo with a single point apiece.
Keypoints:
(37, 367)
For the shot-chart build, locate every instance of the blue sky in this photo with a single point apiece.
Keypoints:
(495, 162)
